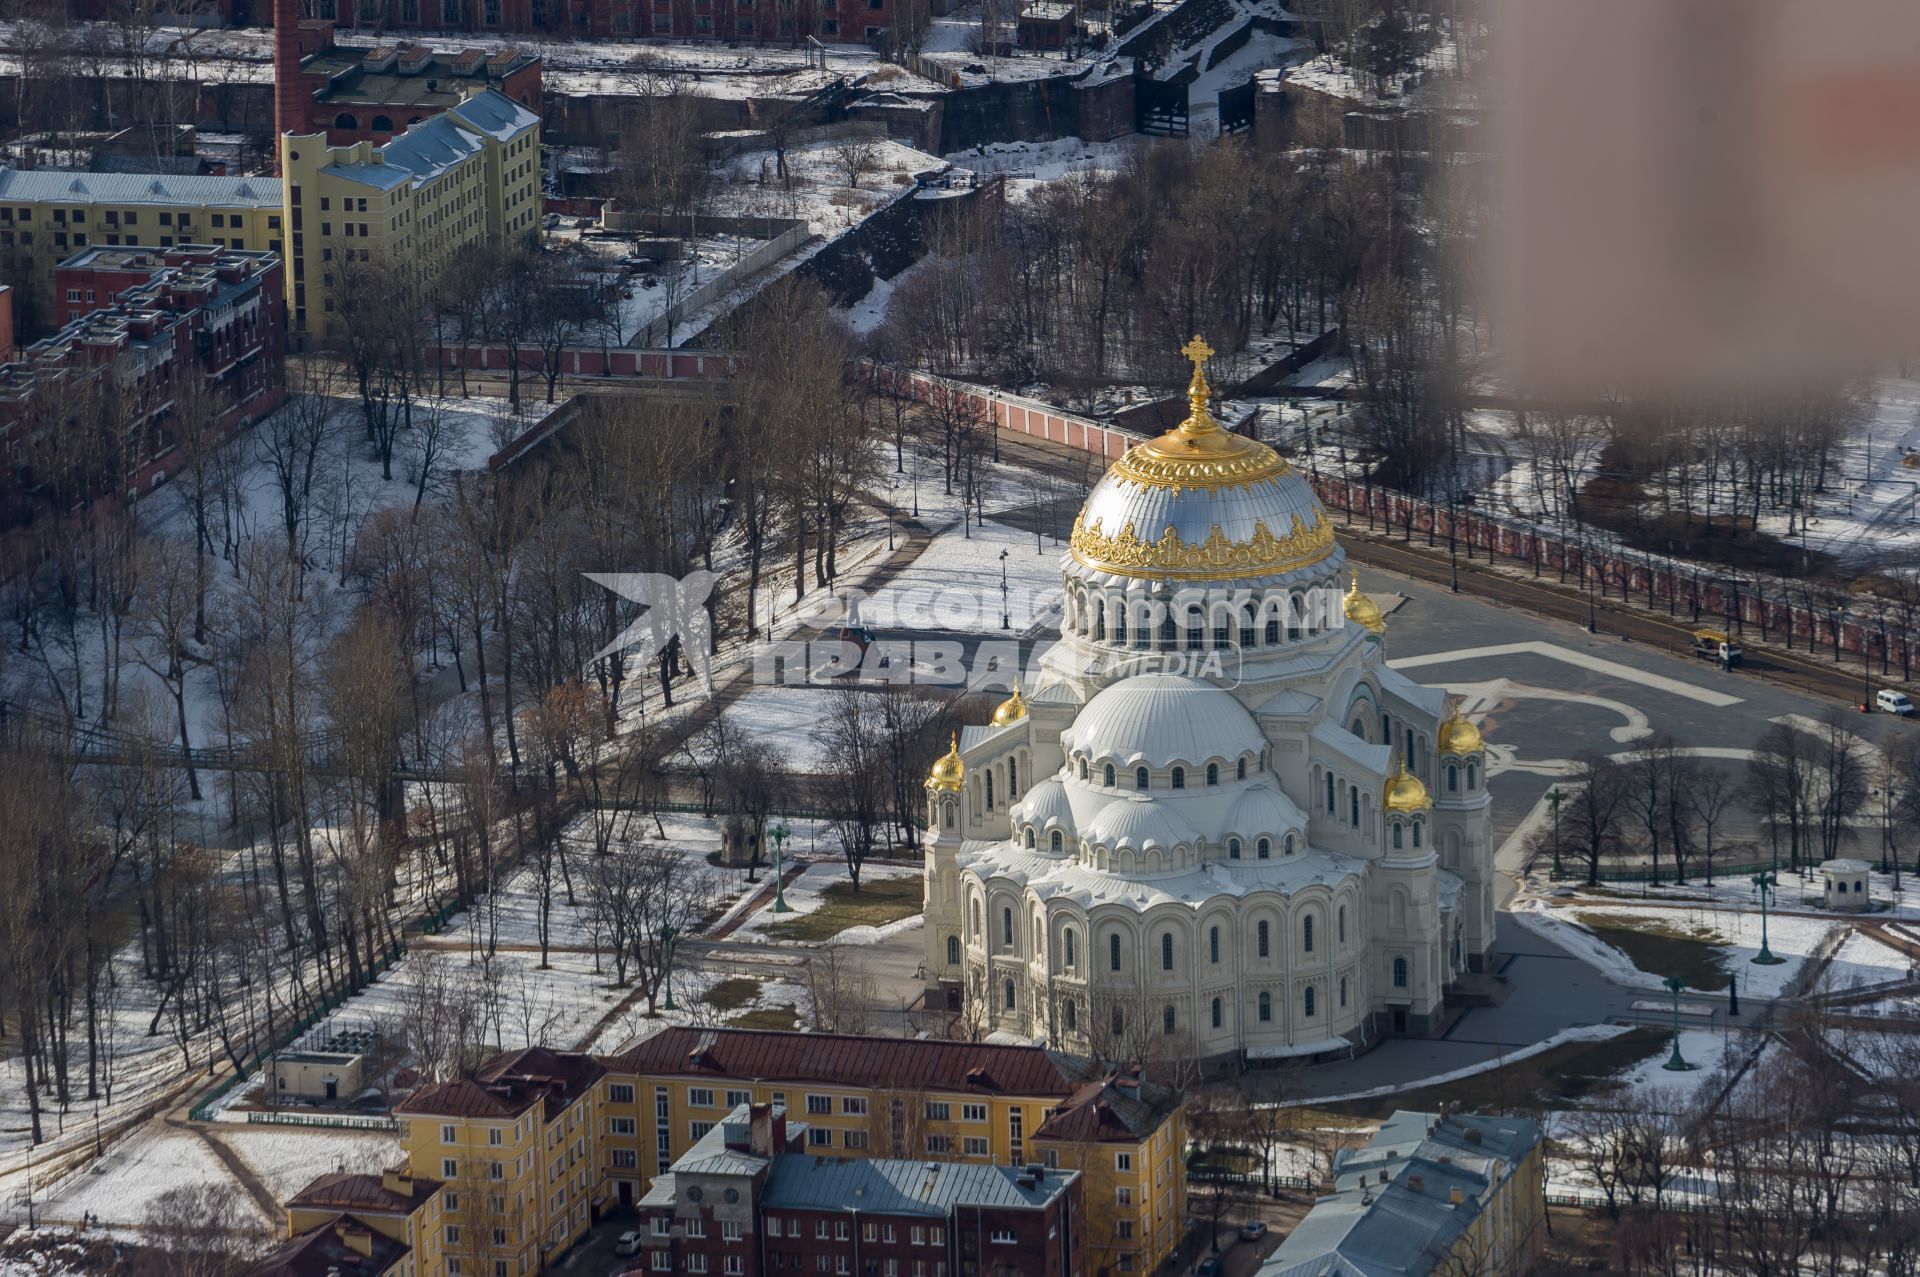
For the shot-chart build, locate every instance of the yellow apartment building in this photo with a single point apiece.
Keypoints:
(900, 1098)
(515, 1150)
(469, 177)
(395, 1203)
(46, 216)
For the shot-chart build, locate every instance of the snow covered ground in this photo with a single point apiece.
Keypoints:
(288, 1158)
(1735, 933)
(123, 1186)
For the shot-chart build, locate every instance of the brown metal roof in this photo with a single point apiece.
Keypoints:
(509, 1084)
(326, 1252)
(369, 1194)
(1122, 1108)
(841, 1059)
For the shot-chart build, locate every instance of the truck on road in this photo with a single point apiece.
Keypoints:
(1717, 646)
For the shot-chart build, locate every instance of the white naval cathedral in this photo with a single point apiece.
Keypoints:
(1214, 823)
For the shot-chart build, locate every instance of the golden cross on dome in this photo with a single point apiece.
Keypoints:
(1198, 392)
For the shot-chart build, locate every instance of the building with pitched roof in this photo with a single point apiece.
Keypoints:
(1427, 1194)
(515, 1148)
(396, 1203)
(49, 215)
(343, 1246)
(976, 1103)
(748, 1198)
(368, 213)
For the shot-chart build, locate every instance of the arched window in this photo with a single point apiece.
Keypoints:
(1265, 940)
(1396, 837)
(989, 776)
(1100, 623)
(1067, 947)
(1167, 1021)
(1263, 850)
(1233, 849)
(976, 917)
(1453, 779)
(1120, 626)
(1306, 934)
(1386, 728)
(1006, 927)
(1306, 1002)
(953, 951)
(1083, 769)
(1241, 773)
(1353, 796)
(1343, 993)
(1113, 951)
(1399, 973)
(1246, 628)
(1053, 840)
(1216, 1013)
(1213, 773)
(1008, 994)
(1072, 1015)
(1179, 778)
(345, 121)
(1119, 1022)
(1013, 778)
(1195, 629)
(1166, 951)
(1029, 837)
(1340, 924)
(1139, 778)
(1416, 833)
(1289, 845)
(1330, 807)
(381, 124)
(1273, 629)
(1109, 775)
(1266, 1008)
(1473, 774)
(1213, 945)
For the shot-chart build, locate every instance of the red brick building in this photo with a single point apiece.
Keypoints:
(368, 94)
(746, 1200)
(154, 318)
(782, 21)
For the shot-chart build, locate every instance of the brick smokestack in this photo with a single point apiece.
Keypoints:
(288, 114)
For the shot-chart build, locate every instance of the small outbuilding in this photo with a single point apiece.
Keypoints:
(315, 1075)
(1846, 883)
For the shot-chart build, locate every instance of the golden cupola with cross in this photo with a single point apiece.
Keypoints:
(1201, 503)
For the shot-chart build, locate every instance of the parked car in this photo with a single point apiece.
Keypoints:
(1209, 1267)
(1253, 1232)
(1888, 701)
(628, 1243)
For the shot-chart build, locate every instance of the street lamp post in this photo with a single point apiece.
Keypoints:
(1006, 616)
(1676, 1063)
(1586, 576)
(916, 485)
(779, 835)
(1554, 799)
(1766, 882)
(667, 934)
(891, 489)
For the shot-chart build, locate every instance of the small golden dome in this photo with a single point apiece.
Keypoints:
(1458, 736)
(1405, 792)
(948, 772)
(1363, 610)
(1011, 710)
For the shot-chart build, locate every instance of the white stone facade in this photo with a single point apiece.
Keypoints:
(1224, 862)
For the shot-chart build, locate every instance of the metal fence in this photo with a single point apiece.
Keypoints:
(345, 1121)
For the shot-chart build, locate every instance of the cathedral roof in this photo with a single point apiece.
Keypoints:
(1051, 878)
(1200, 503)
(1164, 718)
(1137, 822)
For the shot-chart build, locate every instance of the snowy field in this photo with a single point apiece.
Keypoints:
(288, 1158)
(1734, 934)
(124, 1185)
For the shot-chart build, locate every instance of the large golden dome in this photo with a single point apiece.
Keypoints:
(1009, 711)
(1200, 503)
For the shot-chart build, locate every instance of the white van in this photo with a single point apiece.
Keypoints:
(1888, 701)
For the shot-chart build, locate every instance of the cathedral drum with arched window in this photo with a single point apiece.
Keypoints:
(1213, 823)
